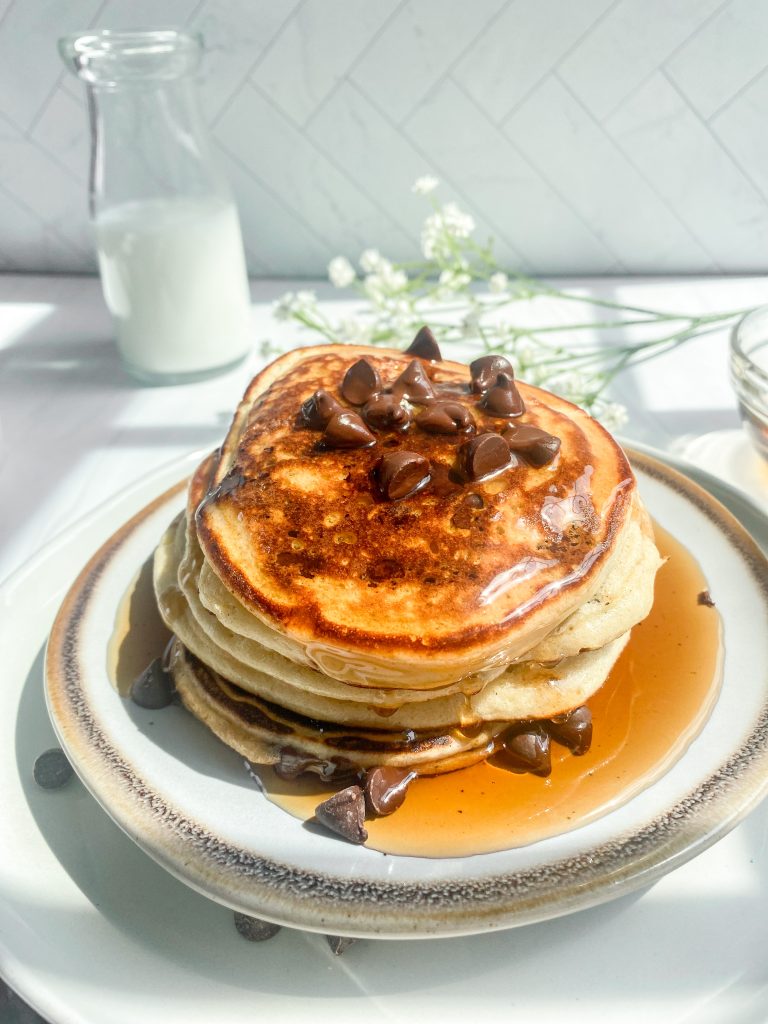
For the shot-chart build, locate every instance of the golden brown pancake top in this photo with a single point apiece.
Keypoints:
(301, 534)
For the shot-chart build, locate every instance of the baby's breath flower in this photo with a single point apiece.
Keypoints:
(498, 282)
(425, 184)
(442, 229)
(452, 281)
(612, 415)
(370, 260)
(354, 331)
(284, 307)
(341, 273)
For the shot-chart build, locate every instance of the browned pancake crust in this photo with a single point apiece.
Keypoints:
(433, 546)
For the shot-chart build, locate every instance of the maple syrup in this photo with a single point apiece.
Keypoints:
(652, 706)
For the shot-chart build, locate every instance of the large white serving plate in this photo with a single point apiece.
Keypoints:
(91, 929)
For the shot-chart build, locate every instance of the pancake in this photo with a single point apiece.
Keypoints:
(321, 613)
(420, 592)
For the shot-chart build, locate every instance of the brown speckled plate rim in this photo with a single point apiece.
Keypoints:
(320, 901)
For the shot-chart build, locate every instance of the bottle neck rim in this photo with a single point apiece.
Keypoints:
(105, 58)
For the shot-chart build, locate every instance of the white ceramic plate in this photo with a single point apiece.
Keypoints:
(188, 803)
(92, 930)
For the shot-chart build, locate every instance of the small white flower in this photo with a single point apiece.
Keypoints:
(354, 331)
(341, 273)
(571, 385)
(305, 301)
(498, 282)
(425, 184)
(370, 260)
(613, 416)
(452, 281)
(441, 228)
(283, 308)
(470, 324)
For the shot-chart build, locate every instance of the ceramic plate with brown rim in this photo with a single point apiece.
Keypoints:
(680, 780)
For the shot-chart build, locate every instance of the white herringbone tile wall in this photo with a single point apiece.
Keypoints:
(586, 136)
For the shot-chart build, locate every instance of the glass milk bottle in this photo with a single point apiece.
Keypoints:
(166, 226)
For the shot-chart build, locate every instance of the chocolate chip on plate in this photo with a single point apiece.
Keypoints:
(446, 418)
(486, 369)
(503, 398)
(483, 455)
(414, 384)
(535, 445)
(254, 929)
(386, 412)
(705, 598)
(339, 943)
(572, 730)
(425, 346)
(360, 382)
(154, 688)
(344, 814)
(400, 474)
(319, 409)
(385, 789)
(347, 430)
(52, 770)
(526, 750)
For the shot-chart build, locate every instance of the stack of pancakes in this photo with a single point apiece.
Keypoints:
(319, 621)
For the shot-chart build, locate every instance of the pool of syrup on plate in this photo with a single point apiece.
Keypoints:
(652, 706)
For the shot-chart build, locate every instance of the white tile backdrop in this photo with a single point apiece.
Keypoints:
(597, 136)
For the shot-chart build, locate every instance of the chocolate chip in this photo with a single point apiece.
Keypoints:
(385, 412)
(360, 382)
(446, 418)
(292, 763)
(339, 943)
(705, 598)
(483, 455)
(474, 500)
(154, 688)
(414, 384)
(572, 730)
(254, 929)
(526, 750)
(400, 474)
(319, 409)
(347, 430)
(424, 346)
(385, 789)
(535, 445)
(344, 814)
(52, 770)
(503, 398)
(486, 369)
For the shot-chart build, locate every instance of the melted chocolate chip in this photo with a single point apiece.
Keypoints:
(526, 750)
(154, 688)
(344, 814)
(386, 412)
(486, 369)
(347, 430)
(535, 445)
(400, 474)
(414, 384)
(503, 398)
(474, 500)
(254, 929)
(294, 763)
(361, 381)
(572, 730)
(424, 346)
(319, 409)
(385, 789)
(705, 598)
(483, 455)
(446, 418)
(52, 770)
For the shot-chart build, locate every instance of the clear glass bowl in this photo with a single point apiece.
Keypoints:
(749, 375)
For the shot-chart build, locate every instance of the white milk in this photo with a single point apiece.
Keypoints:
(174, 278)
